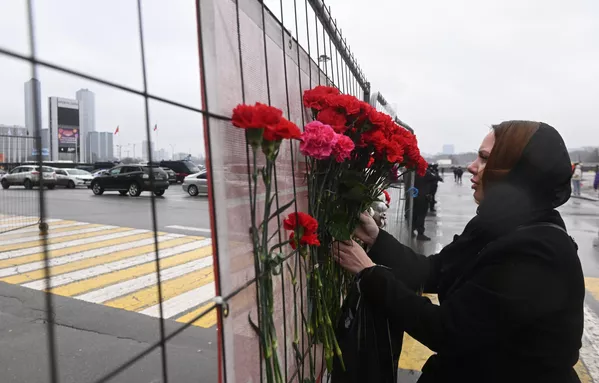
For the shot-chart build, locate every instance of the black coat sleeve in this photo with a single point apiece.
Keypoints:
(499, 298)
(418, 272)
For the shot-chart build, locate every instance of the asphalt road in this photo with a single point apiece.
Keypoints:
(176, 211)
(93, 339)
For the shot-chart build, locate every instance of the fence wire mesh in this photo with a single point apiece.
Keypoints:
(247, 51)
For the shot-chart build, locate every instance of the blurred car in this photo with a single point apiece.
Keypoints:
(196, 184)
(2, 173)
(71, 178)
(181, 168)
(99, 172)
(172, 176)
(29, 176)
(131, 179)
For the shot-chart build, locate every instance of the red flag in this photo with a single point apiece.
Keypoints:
(117, 130)
(156, 127)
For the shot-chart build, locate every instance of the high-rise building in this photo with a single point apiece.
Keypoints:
(87, 111)
(144, 150)
(448, 149)
(33, 106)
(15, 144)
(99, 147)
(64, 130)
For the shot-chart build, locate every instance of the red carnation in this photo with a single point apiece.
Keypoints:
(285, 129)
(394, 151)
(316, 98)
(387, 197)
(256, 117)
(348, 103)
(329, 116)
(306, 227)
(343, 148)
(370, 162)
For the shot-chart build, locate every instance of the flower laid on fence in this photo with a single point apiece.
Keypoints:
(265, 128)
(353, 152)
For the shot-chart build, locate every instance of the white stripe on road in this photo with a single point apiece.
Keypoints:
(25, 268)
(28, 220)
(589, 353)
(183, 302)
(36, 229)
(56, 235)
(64, 245)
(114, 291)
(63, 279)
(189, 228)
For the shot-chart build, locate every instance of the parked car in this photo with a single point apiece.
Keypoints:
(2, 173)
(71, 178)
(181, 168)
(196, 184)
(172, 176)
(29, 176)
(132, 179)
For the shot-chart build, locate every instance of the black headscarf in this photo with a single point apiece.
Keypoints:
(529, 193)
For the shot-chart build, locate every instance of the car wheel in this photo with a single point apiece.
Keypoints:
(97, 188)
(134, 189)
(51, 187)
(193, 190)
(123, 192)
(28, 185)
(71, 185)
(159, 193)
(5, 184)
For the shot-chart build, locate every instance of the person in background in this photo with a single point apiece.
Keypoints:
(576, 179)
(434, 186)
(596, 181)
(459, 173)
(420, 205)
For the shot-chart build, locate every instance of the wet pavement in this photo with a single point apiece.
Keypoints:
(454, 209)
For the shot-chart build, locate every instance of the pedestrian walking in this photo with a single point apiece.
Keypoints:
(420, 203)
(511, 287)
(576, 179)
(596, 181)
(432, 201)
(459, 173)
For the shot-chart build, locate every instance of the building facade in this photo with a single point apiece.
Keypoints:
(16, 145)
(64, 130)
(145, 156)
(87, 111)
(99, 147)
(33, 106)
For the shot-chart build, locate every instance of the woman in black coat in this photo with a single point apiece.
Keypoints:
(511, 286)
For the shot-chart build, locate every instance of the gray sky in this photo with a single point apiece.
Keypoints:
(452, 67)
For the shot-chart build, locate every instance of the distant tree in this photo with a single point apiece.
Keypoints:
(130, 160)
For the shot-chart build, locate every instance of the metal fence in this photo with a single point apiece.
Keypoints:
(248, 51)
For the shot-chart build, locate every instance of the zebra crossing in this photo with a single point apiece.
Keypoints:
(112, 266)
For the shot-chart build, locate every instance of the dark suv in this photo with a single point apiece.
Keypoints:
(181, 168)
(132, 179)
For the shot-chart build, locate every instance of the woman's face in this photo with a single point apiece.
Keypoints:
(477, 167)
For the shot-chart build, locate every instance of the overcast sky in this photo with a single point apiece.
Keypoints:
(452, 68)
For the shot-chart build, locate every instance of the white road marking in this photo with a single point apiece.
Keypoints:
(64, 245)
(63, 279)
(189, 228)
(589, 353)
(56, 235)
(83, 255)
(183, 302)
(21, 221)
(126, 287)
(36, 229)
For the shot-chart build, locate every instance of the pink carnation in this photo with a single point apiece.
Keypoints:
(318, 140)
(343, 148)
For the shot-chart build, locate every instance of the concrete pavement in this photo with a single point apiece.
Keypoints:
(102, 254)
(455, 208)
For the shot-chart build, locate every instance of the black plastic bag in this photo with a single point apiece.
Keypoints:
(370, 346)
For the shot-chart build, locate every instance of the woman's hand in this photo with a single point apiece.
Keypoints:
(368, 230)
(351, 256)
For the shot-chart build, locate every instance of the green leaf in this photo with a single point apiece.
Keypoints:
(339, 228)
(281, 209)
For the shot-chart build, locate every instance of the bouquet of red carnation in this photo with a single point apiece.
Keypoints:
(353, 151)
